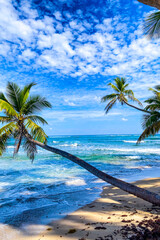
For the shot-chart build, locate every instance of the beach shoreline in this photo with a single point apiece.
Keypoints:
(104, 218)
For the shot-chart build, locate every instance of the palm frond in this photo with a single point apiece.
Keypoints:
(13, 94)
(153, 107)
(149, 119)
(126, 85)
(8, 108)
(37, 119)
(110, 105)
(8, 128)
(135, 99)
(120, 82)
(24, 93)
(155, 91)
(152, 25)
(157, 87)
(2, 97)
(113, 86)
(152, 100)
(30, 148)
(36, 131)
(151, 130)
(5, 133)
(3, 139)
(6, 119)
(35, 104)
(109, 97)
(129, 92)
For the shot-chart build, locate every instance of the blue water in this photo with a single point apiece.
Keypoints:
(52, 186)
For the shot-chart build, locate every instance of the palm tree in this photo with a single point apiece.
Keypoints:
(22, 124)
(151, 122)
(152, 25)
(122, 95)
(19, 109)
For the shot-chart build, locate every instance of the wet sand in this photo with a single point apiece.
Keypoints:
(113, 216)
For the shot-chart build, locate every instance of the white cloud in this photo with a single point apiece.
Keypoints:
(75, 50)
(58, 15)
(124, 119)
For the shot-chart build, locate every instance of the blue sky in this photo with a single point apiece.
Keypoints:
(72, 49)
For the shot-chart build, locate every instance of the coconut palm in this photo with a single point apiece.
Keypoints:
(151, 122)
(20, 115)
(20, 111)
(122, 95)
(152, 25)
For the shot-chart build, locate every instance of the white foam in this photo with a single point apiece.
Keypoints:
(70, 145)
(131, 141)
(136, 150)
(133, 157)
(25, 193)
(76, 182)
(3, 185)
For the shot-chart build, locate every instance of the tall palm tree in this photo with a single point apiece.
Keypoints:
(122, 95)
(152, 25)
(22, 124)
(151, 122)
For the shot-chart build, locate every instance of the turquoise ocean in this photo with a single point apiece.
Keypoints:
(51, 186)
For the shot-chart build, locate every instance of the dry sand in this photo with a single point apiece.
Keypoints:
(106, 218)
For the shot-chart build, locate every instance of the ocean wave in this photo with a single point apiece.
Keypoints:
(135, 150)
(70, 145)
(129, 141)
(133, 157)
(76, 182)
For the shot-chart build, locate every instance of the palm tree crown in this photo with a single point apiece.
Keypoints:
(122, 94)
(19, 109)
(151, 122)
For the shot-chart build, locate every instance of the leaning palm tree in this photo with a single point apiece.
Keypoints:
(20, 111)
(151, 122)
(152, 25)
(121, 94)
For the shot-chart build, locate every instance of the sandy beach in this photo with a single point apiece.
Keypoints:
(115, 215)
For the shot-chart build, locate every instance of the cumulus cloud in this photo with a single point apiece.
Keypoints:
(79, 46)
(74, 45)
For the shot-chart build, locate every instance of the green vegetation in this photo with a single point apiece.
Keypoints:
(151, 118)
(122, 95)
(20, 109)
(151, 122)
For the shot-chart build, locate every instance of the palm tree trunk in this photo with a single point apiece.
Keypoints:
(152, 3)
(130, 188)
(18, 144)
(140, 109)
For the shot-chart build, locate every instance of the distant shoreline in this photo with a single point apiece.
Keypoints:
(104, 134)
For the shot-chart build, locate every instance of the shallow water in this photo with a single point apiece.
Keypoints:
(53, 186)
